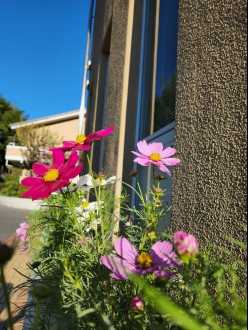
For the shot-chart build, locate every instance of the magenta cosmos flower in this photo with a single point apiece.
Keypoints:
(22, 232)
(84, 143)
(155, 154)
(51, 178)
(186, 244)
(129, 261)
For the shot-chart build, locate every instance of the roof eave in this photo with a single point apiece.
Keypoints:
(46, 120)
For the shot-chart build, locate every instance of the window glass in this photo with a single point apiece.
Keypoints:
(166, 64)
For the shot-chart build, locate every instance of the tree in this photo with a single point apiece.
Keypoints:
(37, 140)
(8, 114)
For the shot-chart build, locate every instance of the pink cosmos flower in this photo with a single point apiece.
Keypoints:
(129, 261)
(137, 304)
(51, 178)
(155, 154)
(186, 244)
(84, 143)
(22, 232)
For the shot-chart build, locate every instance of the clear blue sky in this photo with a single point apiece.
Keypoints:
(42, 45)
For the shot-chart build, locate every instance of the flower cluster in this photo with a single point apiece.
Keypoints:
(22, 235)
(163, 259)
(50, 178)
(22, 232)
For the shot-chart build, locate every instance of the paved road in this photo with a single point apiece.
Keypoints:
(10, 218)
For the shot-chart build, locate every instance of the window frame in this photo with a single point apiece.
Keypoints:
(168, 132)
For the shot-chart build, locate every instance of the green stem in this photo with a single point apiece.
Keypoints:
(6, 297)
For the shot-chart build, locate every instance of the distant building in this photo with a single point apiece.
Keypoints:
(175, 71)
(64, 125)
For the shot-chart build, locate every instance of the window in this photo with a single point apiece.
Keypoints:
(157, 87)
(165, 96)
(158, 58)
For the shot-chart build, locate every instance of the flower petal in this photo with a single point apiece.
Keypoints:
(58, 157)
(71, 173)
(54, 186)
(40, 169)
(171, 161)
(86, 180)
(116, 266)
(117, 277)
(69, 144)
(98, 135)
(31, 181)
(162, 253)
(139, 155)
(164, 169)
(70, 163)
(142, 161)
(83, 147)
(24, 225)
(168, 152)
(111, 180)
(39, 192)
(156, 147)
(143, 148)
(126, 250)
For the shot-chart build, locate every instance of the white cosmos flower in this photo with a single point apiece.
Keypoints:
(87, 210)
(87, 181)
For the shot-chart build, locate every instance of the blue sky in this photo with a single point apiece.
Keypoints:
(42, 46)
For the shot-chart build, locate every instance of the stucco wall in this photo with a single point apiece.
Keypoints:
(210, 185)
(65, 130)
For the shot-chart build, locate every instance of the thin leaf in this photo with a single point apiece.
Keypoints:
(166, 307)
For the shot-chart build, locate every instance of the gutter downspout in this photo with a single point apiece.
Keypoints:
(87, 65)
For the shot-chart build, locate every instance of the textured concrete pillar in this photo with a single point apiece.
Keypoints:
(209, 197)
(114, 95)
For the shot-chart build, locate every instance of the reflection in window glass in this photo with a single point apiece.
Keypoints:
(166, 64)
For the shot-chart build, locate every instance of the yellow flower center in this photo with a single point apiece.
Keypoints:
(81, 138)
(100, 180)
(155, 156)
(152, 235)
(85, 204)
(144, 260)
(51, 175)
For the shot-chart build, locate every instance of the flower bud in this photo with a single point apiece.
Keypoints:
(187, 245)
(137, 304)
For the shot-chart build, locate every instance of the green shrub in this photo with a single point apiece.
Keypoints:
(11, 185)
(206, 292)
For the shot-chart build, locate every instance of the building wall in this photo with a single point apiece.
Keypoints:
(65, 130)
(209, 194)
(210, 185)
